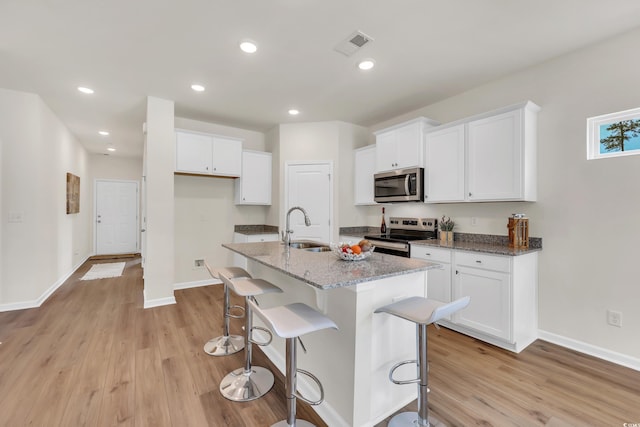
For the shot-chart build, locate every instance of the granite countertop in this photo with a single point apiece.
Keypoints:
(256, 229)
(474, 246)
(324, 270)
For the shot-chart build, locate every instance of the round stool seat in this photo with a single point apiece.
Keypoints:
(422, 310)
(225, 344)
(294, 320)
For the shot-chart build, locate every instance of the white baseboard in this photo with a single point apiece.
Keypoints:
(592, 350)
(45, 295)
(158, 302)
(196, 284)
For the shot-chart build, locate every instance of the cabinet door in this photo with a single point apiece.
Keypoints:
(409, 145)
(363, 170)
(495, 157)
(254, 186)
(193, 153)
(438, 280)
(444, 173)
(386, 150)
(489, 310)
(227, 156)
(270, 237)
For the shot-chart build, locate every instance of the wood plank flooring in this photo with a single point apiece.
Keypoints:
(92, 356)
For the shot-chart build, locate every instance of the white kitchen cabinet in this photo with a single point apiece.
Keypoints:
(241, 261)
(488, 157)
(254, 185)
(444, 172)
(504, 293)
(438, 280)
(350, 239)
(363, 170)
(204, 154)
(402, 145)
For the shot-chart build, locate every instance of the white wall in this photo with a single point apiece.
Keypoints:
(319, 141)
(587, 211)
(205, 213)
(47, 245)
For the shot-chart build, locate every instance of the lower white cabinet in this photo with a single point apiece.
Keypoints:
(239, 260)
(438, 279)
(254, 185)
(504, 294)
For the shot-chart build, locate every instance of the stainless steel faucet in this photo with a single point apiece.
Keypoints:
(286, 238)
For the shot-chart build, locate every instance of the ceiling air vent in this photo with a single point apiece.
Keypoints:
(353, 43)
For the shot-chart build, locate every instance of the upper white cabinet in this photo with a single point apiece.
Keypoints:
(254, 185)
(444, 177)
(489, 157)
(363, 169)
(402, 146)
(205, 154)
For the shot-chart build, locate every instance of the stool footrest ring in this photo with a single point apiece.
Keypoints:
(261, 343)
(317, 381)
(396, 366)
(235, 316)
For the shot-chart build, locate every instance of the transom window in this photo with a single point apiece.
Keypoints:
(614, 134)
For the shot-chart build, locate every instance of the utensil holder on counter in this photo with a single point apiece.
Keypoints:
(518, 231)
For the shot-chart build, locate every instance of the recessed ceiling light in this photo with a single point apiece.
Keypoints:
(248, 46)
(103, 132)
(366, 64)
(111, 149)
(293, 112)
(197, 87)
(86, 90)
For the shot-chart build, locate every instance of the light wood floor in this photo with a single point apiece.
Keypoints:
(92, 356)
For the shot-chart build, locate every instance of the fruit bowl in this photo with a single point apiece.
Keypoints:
(336, 248)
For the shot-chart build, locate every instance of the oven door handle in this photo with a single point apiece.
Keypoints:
(406, 185)
(404, 247)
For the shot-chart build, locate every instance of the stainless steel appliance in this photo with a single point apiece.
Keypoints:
(401, 185)
(401, 232)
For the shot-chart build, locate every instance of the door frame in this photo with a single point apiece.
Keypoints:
(95, 209)
(285, 197)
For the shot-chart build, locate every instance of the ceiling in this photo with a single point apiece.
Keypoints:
(425, 51)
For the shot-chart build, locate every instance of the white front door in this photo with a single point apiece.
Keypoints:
(309, 186)
(116, 217)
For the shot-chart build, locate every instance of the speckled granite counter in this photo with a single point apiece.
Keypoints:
(489, 246)
(256, 229)
(324, 270)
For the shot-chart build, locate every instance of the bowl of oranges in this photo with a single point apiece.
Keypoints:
(353, 252)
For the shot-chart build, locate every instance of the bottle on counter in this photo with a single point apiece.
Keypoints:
(383, 225)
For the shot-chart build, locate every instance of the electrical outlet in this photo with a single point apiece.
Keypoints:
(474, 221)
(199, 263)
(614, 318)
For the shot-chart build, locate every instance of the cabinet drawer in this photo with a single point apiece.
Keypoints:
(431, 253)
(488, 262)
(252, 238)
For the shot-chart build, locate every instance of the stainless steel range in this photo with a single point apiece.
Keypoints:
(401, 232)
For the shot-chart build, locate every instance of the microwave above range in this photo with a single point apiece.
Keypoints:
(401, 185)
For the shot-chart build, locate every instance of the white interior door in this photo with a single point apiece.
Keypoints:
(309, 186)
(116, 217)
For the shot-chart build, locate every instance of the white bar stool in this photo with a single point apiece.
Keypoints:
(290, 322)
(422, 312)
(227, 343)
(249, 382)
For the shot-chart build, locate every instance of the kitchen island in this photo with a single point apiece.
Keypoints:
(353, 363)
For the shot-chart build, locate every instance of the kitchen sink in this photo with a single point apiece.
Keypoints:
(306, 244)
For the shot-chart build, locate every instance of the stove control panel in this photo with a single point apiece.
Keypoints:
(418, 224)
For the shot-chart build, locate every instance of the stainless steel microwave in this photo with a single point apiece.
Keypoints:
(401, 185)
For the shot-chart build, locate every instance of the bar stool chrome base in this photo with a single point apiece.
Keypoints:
(241, 386)
(224, 345)
(410, 419)
(299, 423)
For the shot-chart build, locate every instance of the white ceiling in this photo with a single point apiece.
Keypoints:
(425, 51)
